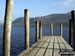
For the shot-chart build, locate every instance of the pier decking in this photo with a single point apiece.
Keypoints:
(48, 46)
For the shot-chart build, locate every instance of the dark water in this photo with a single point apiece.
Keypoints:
(17, 37)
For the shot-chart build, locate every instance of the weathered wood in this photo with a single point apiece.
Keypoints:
(37, 48)
(56, 47)
(31, 51)
(68, 47)
(70, 31)
(49, 46)
(62, 47)
(26, 21)
(51, 25)
(73, 18)
(37, 31)
(43, 48)
(7, 28)
(40, 29)
(61, 30)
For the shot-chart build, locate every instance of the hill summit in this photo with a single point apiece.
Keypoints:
(48, 19)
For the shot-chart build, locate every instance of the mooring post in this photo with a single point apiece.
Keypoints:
(37, 30)
(51, 29)
(73, 18)
(40, 29)
(61, 30)
(70, 31)
(7, 27)
(26, 21)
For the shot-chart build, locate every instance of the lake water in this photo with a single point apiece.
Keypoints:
(17, 37)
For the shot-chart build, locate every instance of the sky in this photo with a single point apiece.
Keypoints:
(37, 7)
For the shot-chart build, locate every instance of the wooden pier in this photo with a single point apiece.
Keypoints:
(51, 45)
(48, 46)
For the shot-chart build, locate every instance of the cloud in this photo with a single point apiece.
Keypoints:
(68, 3)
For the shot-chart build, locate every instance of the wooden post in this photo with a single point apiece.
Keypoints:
(70, 31)
(61, 32)
(51, 29)
(40, 29)
(26, 20)
(7, 28)
(37, 31)
(73, 18)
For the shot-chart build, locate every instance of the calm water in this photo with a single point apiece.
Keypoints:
(17, 37)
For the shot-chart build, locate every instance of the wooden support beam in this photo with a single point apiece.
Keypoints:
(7, 27)
(61, 30)
(70, 31)
(40, 29)
(51, 29)
(26, 21)
(37, 31)
(73, 18)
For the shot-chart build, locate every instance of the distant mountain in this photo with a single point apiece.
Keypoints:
(1, 21)
(1, 24)
(53, 18)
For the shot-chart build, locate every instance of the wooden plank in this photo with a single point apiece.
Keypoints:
(56, 47)
(50, 48)
(66, 44)
(36, 49)
(43, 48)
(62, 47)
(49, 39)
